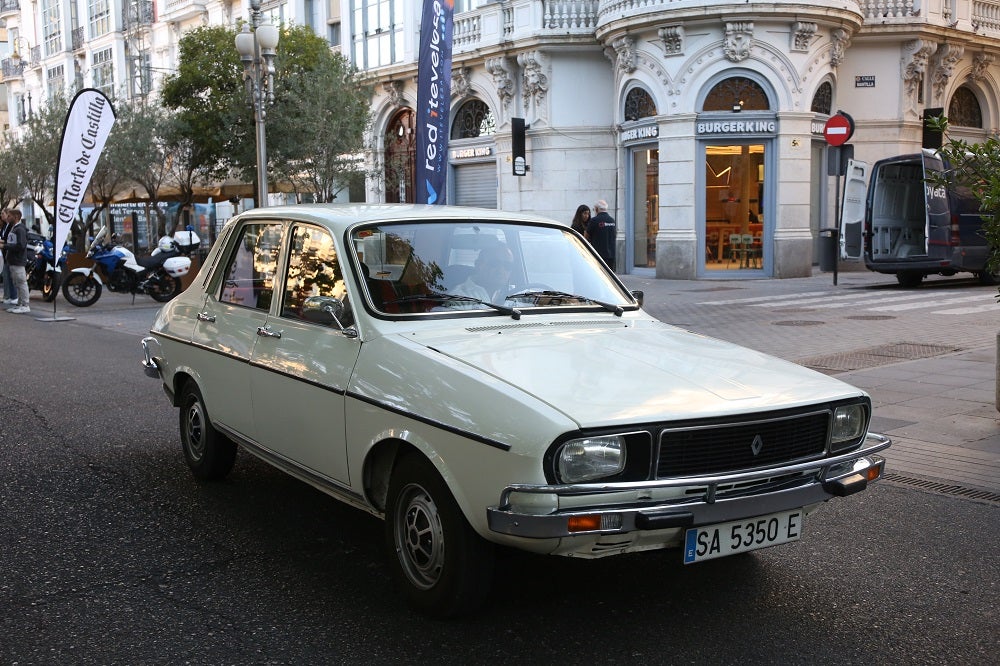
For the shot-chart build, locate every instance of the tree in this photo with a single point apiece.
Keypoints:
(138, 144)
(36, 154)
(320, 133)
(211, 103)
(975, 166)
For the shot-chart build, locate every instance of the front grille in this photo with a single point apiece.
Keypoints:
(725, 448)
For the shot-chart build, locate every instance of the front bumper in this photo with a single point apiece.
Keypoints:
(621, 508)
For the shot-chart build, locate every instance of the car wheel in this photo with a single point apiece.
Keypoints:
(988, 279)
(909, 279)
(444, 567)
(208, 452)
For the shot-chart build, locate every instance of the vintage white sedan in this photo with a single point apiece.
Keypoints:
(477, 378)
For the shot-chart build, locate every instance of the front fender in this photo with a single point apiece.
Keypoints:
(89, 272)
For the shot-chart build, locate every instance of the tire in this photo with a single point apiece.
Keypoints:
(166, 288)
(50, 286)
(443, 566)
(909, 279)
(81, 290)
(208, 452)
(988, 279)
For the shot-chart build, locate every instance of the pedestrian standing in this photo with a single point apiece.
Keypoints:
(16, 245)
(580, 219)
(602, 233)
(9, 290)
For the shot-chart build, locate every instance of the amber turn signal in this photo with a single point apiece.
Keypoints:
(588, 523)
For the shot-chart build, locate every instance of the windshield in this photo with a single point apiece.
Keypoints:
(417, 268)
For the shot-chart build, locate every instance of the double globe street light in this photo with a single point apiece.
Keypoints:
(257, 49)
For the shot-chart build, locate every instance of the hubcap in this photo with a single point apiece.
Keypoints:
(195, 431)
(419, 537)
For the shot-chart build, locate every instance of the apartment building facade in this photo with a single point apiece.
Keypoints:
(696, 121)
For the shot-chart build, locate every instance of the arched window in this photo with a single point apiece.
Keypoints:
(400, 150)
(737, 93)
(473, 119)
(638, 104)
(823, 99)
(964, 109)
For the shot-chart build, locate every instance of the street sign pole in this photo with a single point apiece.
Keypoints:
(837, 131)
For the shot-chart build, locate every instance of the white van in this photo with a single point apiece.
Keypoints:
(903, 225)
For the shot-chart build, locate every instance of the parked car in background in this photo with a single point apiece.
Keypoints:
(480, 378)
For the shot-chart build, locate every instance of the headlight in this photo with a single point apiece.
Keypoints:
(849, 423)
(591, 458)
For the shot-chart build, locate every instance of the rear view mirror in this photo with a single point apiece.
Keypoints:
(638, 295)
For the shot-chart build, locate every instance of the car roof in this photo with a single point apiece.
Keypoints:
(339, 217)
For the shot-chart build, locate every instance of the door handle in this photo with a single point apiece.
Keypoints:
(265, 332)
(204, 316)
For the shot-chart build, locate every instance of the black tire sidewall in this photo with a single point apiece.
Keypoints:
(219, 451)
(468, 558)
(72, 299)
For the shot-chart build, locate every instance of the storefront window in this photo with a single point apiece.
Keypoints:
(734, 205)
(646, 207)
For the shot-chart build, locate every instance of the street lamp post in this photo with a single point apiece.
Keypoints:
(256, 51)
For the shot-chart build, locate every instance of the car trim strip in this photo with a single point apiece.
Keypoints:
(436, 424)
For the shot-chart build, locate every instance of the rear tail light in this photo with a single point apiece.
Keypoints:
(955, 235)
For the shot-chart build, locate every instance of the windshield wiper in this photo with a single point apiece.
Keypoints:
(610, 307)
(514, 313)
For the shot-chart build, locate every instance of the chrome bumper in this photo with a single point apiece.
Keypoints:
(818, 481)
(149, 364)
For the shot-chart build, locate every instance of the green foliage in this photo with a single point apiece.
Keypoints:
(977, 167)
(319, 113)
(36, 154)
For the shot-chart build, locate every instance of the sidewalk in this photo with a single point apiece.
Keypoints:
(939, 411)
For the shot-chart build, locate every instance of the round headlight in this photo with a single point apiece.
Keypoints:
(591, 458)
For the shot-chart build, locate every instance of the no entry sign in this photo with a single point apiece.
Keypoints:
(838, 129)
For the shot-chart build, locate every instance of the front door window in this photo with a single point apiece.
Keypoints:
(734, 206)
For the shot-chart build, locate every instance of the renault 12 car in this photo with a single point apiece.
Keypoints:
(480, 379)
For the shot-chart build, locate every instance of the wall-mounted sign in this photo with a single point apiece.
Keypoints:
(737, 127)
(465, 153)
(864, 81)
(648, 132)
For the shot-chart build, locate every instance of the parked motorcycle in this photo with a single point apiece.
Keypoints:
(157, 275)
(40, 266)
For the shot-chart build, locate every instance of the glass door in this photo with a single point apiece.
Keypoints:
(734, 207)
(645, 211)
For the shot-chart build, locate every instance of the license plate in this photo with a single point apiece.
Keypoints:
(740, 536)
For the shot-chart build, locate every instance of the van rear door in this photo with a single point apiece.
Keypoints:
(938, 219)
(852, 210)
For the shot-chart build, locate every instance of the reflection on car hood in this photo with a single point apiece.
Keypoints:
(632, 371)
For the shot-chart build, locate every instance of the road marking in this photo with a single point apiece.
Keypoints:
(927, 304)
(826, 300)
(976, 309)
(755, 299)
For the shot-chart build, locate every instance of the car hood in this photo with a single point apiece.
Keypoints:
(632, 371)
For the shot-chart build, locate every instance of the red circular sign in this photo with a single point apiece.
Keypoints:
(838, 130)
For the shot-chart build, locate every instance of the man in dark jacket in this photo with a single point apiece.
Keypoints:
(602, 232)
(16, 248)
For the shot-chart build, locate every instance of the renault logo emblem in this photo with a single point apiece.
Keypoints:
(757, 445)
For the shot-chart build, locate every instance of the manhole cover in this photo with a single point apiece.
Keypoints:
(875, 356)
(799, 322)
(715, 289)
(870, 317)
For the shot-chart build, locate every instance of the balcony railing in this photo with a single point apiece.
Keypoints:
(12, 69)
(137, 13)
(986, 15)
(78, 38)
(9, 6)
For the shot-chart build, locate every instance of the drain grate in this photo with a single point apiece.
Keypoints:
(944, 488)
(875, 356)
(799, 322)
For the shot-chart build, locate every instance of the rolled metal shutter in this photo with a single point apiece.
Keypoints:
(476, 185)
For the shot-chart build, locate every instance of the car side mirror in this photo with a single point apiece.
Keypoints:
(638, 295)
(327, 310)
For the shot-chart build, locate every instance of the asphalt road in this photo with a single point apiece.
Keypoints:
(111, 553)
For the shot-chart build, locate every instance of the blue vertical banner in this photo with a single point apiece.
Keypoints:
(433, 100)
